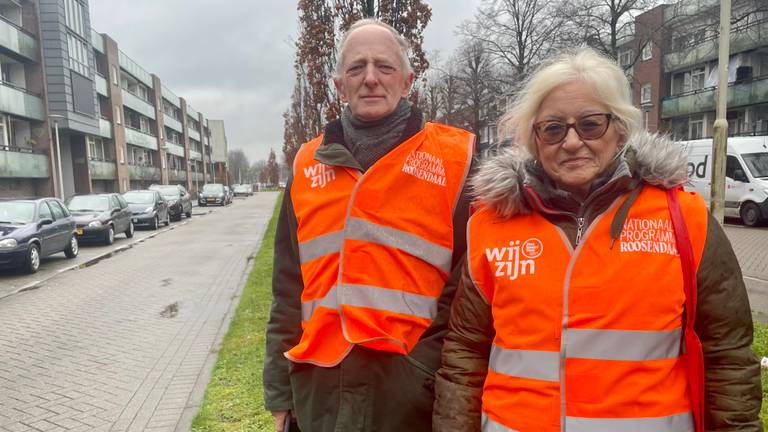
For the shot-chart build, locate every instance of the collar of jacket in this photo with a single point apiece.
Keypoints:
(333, 150)
(513, 182)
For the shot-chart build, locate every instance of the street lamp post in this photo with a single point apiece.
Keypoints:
(720, 135)
(56, 118)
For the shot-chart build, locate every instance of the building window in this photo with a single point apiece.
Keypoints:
(78, 54)
(625, 58)
(647, 52)
(74, 11)
(96, 148)
(696, 128)
(118, 116)
(114, 75)
(645, 94)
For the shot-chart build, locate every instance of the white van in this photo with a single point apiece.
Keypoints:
(746, 176)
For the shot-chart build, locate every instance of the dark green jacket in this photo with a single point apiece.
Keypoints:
(724, 321)
(369, 390)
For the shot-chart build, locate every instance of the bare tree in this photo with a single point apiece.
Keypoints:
(238, 163)
(519, 33)
(478, 82)
(600, 23)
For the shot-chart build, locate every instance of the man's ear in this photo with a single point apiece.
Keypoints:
(340, 90)
(408, 83)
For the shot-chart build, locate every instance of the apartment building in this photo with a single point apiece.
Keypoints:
(672, 57)
(118, 127)
(219, 151)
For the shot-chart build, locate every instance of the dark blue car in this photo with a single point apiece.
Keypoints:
(31, 229)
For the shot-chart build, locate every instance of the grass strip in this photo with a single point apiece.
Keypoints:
(234, 397)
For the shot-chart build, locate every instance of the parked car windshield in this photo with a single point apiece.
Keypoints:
(17, 212)
(88, 203)
(213, 188)
(757, 163)
(172, 191)
(139, 197)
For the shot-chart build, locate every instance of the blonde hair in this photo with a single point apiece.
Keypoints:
(403, 44)
(601, 74)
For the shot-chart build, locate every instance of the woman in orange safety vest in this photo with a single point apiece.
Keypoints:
(591, 276)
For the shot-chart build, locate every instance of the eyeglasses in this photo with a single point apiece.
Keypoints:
(589, 127)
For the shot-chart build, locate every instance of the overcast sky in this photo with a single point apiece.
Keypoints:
(233, 60)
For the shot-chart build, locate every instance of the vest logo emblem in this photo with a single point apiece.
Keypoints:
(516, 259)
(320, 175)
(648, 235)
(425, 166)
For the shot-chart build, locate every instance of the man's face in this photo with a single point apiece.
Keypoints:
(372, 79)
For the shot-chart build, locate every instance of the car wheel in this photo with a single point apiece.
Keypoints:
(155, 222)
(32, 264)
(750, 214)
(109, 236)
(72, 248)
(129, 232)
(189, 214)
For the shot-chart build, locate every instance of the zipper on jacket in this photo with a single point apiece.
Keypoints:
(579, 228)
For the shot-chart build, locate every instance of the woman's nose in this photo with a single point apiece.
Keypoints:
(572, 140)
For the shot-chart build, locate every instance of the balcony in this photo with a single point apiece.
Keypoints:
(17, 101)
(177, 175)
(136, 172)
(195, 135)
(137, 104)
(101, 85)
(172, 123)
(742, 39)
(198, 176)
(141, 139)
(98, 41)
(105, 128)
(23, 163)
(741, 94)
(195, 155)
(174, 149)
(134, 69)
(102, 170)
(17, 40)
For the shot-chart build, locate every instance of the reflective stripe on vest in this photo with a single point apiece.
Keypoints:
(374, 298)
(359, 229)
(373, 269)
(674, 423)
(588, 339)
(626, 345)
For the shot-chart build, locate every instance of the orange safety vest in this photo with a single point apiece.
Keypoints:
(376, 248)
(586, 339)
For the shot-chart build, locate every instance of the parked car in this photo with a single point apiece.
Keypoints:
(100, 217)
(148, 208)
(242, 190)
(228, 193)
(179, 200)
(31, 229)
(213, 193)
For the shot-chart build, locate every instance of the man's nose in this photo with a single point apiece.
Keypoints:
(371, 78)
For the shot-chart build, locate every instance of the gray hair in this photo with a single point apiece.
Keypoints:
(600, 73)
(405, 47)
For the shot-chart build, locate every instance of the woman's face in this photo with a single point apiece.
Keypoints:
(574, 162)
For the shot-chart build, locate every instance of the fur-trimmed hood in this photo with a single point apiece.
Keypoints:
(499, 181)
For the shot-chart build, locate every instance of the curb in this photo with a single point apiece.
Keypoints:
(92, 261)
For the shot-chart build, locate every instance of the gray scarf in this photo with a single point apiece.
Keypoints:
(369, 141)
